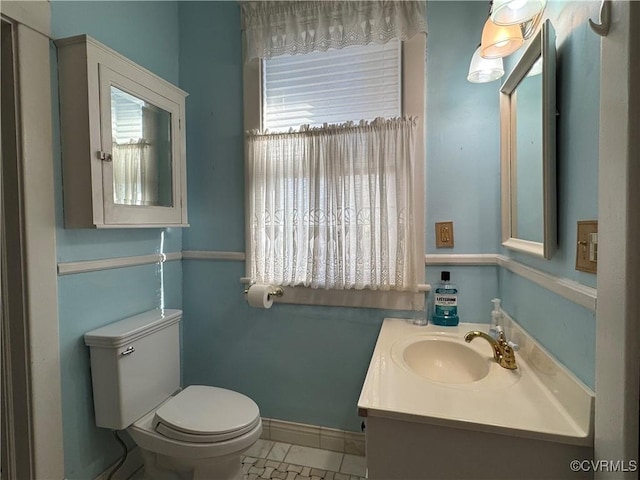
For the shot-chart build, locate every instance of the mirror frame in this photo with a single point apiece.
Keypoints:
(542, 45)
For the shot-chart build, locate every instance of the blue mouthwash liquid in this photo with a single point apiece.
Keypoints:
(446, 302)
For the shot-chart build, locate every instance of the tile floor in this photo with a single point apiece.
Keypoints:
(267, 459)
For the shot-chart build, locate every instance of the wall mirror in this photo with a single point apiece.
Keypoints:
(141, 149)
(528, 149)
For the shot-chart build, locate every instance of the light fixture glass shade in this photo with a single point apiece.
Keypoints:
(500, 40)
(513, 12)
(483, 70)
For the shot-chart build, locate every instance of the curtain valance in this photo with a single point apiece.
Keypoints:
(274, 28)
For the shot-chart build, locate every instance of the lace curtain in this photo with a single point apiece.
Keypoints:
(274, 28)
(331, 207)
(134, 176)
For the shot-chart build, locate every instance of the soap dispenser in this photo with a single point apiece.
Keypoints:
(496, 316)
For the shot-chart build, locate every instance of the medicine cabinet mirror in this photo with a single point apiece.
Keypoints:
(528, 149)
(123, 141)
(141, 149)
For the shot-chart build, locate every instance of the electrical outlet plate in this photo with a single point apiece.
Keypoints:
(444, 234)
(587, 246)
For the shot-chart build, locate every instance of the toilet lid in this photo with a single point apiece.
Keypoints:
(206, 414)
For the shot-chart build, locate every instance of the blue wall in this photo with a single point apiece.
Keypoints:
(307, 364)
(146, 32)
(463, 144)
(578, 103)
(302, 363)
(566, 329)
(463, 154)
(462, 148)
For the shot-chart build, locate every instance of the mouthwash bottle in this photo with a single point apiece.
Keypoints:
(445, 302)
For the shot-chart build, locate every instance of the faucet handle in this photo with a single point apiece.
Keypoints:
(500, 336)
(493, 333)
(503, 338)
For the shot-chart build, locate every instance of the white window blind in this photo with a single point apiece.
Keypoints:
(126, 117)
(336, 86)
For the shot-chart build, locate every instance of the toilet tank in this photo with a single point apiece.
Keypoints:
(135, 366)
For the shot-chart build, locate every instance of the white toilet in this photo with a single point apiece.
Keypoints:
(197, 433)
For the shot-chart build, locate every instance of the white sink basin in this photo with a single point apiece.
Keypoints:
(409, 381)
(445, 361)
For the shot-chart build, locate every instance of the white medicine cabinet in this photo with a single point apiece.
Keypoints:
(123, 141)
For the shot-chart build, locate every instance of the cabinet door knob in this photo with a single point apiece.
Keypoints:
(104, 156)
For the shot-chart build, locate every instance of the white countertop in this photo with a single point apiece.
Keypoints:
(510, 402)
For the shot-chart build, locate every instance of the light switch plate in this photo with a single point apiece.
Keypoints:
(444, 234)
(587, 246)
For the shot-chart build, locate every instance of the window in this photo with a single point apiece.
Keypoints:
(352, 84)
(303, 175)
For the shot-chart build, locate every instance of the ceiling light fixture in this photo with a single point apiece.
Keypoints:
(510, 23)
(484, 70)
(514, 12)
(500, 40)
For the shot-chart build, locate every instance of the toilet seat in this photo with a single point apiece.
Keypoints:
(147, 438)
(203, 414)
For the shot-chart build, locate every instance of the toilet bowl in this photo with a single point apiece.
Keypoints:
(198, 433)
(203, 430)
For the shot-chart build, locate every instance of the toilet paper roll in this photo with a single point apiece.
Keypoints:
(258, 296)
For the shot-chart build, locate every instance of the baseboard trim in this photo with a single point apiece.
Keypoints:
(313, 436)
(302, 434)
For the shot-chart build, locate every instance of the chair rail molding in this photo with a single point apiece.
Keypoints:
(566, 288)
(213, 255)
(83, 266)
(569, 289)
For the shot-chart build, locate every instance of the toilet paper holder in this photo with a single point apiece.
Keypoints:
(276, 292)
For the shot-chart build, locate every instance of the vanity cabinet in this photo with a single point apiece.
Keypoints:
(123, 140)
(438, 417)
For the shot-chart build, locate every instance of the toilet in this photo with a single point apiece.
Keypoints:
(199, 432)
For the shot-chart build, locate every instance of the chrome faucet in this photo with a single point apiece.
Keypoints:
(503, 352)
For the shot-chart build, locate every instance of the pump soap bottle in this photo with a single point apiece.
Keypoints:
(446, 302)
(496, 316)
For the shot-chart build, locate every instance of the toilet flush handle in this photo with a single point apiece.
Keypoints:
(128, 351)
